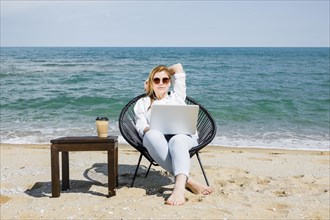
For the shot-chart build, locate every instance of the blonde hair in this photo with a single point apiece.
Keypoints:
(150, 87)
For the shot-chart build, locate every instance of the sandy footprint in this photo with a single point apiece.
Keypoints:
(230, 171)
(280, 208)
(298, 176)
(4, 199)
(276, 153)
(263, 180)
(240, 181)
(211, 167)
(324, 161)
(261, 159)
(280, 193)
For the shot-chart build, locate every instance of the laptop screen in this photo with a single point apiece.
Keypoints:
(174, 119)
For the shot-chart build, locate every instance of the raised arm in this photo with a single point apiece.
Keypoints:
(178, 81)
(176, 68)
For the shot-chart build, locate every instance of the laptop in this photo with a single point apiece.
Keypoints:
(174, 119)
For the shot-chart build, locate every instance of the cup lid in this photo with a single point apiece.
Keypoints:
(102, 119)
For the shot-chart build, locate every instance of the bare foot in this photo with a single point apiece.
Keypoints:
(177, 196)
(198, 188)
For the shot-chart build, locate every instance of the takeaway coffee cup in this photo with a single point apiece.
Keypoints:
(102, 124)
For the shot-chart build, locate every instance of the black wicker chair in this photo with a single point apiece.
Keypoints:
(206, 131)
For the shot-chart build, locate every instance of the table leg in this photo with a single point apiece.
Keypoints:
(55, 170)
(111, 172)
(65, 171)
(116, 162)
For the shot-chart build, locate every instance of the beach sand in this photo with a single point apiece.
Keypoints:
(248, 184)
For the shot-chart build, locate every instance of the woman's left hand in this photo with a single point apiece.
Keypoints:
(145, 85)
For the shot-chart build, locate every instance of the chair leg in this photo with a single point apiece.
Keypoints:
(200, 163)
(136, 170)
(148, 170)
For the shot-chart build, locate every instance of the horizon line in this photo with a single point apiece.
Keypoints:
(170, 46)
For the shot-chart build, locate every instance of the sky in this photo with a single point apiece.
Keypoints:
(261, 23)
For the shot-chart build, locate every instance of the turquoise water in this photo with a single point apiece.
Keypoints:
(262, 97)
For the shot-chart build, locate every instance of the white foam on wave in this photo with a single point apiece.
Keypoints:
(37, 137)
(279, 143)
(41, 134)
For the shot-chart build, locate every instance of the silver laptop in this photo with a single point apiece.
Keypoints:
(174, 119)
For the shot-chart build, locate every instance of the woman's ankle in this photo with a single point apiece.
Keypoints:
(181, 180)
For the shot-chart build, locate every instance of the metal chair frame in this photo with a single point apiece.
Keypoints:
(206, 128)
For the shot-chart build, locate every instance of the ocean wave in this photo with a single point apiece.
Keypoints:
(43, 135)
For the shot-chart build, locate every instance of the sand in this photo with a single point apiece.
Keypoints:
(248, 184)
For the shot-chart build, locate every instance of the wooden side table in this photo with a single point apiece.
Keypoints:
(89, 143)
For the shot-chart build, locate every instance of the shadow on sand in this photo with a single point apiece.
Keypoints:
(97, 175)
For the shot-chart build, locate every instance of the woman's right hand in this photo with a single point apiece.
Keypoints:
(176, 68)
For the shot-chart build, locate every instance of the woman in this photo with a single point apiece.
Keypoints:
(170, 151)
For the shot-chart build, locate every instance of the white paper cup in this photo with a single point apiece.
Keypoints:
(102, 124)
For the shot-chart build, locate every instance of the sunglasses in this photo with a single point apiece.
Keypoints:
(164, 80)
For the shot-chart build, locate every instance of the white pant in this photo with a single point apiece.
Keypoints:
(173, 154)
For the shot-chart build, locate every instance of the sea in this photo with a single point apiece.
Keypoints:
(259, 97)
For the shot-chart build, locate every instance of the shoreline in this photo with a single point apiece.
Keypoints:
(216, 147)
(248, 183)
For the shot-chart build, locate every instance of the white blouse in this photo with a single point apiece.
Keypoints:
(177, 96)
